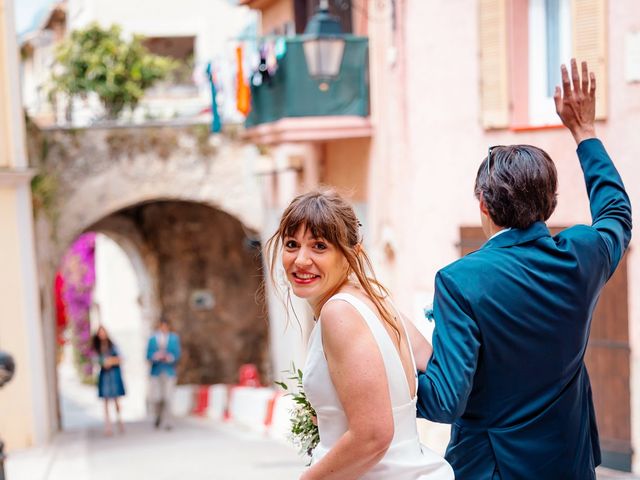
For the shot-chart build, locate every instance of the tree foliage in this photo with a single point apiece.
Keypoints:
(102, 61)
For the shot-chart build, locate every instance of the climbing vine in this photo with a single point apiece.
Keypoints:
(79, 277)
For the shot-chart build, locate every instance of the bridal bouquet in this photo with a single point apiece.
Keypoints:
(304, 431)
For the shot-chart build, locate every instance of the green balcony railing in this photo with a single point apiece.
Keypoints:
(293, 93)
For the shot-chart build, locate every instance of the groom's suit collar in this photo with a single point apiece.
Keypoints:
(516, 236)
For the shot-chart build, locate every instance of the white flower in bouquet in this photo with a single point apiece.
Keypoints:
(304, 430)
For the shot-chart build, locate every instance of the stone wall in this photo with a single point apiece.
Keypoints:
(185, 207)
(204, 255)
(87, 174)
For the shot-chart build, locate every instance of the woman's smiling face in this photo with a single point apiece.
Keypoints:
(102, 333)
(315, 268)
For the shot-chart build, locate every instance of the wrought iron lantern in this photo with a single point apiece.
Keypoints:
(323, 44)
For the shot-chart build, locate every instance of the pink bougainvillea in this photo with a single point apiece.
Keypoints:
(79, 274)
(61, 312)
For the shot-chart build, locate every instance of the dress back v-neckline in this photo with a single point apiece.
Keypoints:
(390, 354)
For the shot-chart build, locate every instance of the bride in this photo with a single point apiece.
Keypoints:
(360, 374)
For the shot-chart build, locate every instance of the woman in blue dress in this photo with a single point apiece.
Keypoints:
(110, 384)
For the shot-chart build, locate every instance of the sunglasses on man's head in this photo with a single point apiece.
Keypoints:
(489, 159)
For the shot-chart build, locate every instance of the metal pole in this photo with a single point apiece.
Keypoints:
(2, 457)
(7, 369)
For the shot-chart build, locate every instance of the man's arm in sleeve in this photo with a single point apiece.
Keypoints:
(608, 200)
(444, 388)
(610, 206)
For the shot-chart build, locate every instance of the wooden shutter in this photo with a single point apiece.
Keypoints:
(590, 44)
(494, 93)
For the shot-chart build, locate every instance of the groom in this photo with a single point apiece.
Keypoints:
(513, 318)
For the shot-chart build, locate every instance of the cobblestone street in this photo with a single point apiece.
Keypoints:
(196, 449)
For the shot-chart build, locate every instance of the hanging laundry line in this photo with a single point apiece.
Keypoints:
(258, 38)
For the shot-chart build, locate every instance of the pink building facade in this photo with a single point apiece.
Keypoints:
(474, 76)
(448, 79)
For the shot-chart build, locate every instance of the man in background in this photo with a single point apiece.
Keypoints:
(163, 351)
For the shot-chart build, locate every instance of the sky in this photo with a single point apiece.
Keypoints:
(27, 11)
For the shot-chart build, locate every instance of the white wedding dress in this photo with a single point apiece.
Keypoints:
(406, 458)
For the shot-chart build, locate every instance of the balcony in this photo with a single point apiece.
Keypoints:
(293, 107)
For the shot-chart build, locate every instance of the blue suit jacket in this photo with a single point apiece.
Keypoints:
(512, 324)
(173, 347)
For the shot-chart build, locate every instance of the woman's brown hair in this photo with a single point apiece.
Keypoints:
(328, 216)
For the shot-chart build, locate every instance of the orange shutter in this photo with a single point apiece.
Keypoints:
(590, 44)
(494, 93)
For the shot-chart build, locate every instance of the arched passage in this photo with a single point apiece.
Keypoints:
(201, 268)
(121, 309)
(206, 269)
(112, 299)
(107, 180)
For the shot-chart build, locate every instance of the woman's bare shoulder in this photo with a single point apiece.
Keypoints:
(343, 326)
(339, 313)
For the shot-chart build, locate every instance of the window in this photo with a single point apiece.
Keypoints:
(178, 48)
(549, 47)
(522, 44)
(181, 49)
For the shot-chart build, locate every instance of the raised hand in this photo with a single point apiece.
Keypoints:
(576, 103)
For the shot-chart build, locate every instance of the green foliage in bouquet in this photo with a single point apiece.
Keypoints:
(102, 61)
(304, 431)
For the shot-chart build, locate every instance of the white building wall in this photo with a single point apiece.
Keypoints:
(20, 323)
(215, 24)
(446, 143)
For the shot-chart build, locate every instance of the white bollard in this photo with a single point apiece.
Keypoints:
(249, 406)
(182, 402)
(281, 421)
(217, 401)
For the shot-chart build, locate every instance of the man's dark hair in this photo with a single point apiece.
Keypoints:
(519, 187)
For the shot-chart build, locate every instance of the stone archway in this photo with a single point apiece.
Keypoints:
(110, 179)
(205, 272)
(126, 235)
(119, 302)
